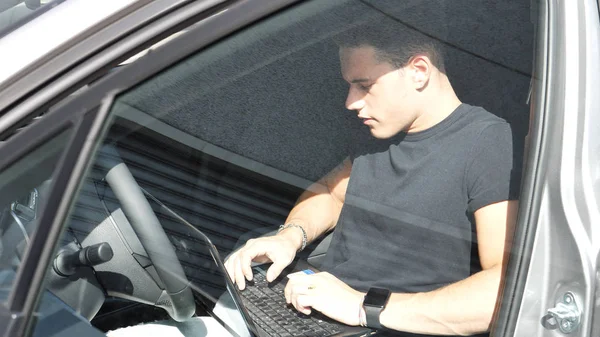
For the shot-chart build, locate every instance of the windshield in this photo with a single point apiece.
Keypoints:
(15, 13)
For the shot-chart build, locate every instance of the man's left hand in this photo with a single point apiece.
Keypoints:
(325, 293)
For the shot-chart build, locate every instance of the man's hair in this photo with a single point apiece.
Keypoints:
(392, 42)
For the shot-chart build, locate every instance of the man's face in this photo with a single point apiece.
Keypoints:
(379, 93)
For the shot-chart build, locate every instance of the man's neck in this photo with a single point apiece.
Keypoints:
(437, 105)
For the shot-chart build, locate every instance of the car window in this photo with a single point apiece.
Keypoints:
(24, 186)
(379, 165)
(15, 13)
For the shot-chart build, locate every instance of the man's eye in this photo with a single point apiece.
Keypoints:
(365, 87)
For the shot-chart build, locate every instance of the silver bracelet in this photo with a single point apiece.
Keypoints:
(362, 320)
(304, 237)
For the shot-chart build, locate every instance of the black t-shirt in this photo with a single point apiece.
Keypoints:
(407, 222)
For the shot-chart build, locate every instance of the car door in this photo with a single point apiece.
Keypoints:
(554, 267)
(552, 254)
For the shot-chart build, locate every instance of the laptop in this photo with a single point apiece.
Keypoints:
(259, 310)
(268, 311)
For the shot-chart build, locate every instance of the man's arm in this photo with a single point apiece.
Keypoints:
(465, 307)
(316, 211)
(318, 208)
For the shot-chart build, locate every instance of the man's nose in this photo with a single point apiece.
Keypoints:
(354, 101)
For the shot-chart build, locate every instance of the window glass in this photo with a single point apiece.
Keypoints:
(15, 13)
(386, 136)
(24, 186)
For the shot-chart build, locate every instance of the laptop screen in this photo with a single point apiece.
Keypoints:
(204, 269)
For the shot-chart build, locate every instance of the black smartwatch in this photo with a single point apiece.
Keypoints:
(374, 303)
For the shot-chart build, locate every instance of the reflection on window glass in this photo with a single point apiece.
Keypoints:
(15, 13)
(391, 129)
(24, 187)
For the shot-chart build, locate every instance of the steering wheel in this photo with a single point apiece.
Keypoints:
(153, 238)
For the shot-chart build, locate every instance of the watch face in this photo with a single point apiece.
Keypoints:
(376, 297)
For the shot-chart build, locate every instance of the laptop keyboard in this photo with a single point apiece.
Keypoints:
(267, 308)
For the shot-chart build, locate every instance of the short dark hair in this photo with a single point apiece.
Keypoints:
(394, 43)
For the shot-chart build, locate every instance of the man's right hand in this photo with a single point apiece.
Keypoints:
(279, 249)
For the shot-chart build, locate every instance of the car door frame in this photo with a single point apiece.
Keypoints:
(88, 113)
(557, 191)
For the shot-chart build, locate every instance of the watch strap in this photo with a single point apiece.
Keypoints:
(372, 316)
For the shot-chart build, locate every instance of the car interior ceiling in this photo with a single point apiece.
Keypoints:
(230, 137)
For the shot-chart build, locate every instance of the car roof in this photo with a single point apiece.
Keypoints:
(47, 32)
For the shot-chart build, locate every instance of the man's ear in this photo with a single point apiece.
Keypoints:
(420, 68)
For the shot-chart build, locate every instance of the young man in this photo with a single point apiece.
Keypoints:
(408, 214)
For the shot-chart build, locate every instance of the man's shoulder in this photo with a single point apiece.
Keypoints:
(487, 134)
(479, 122)
(480, 117)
